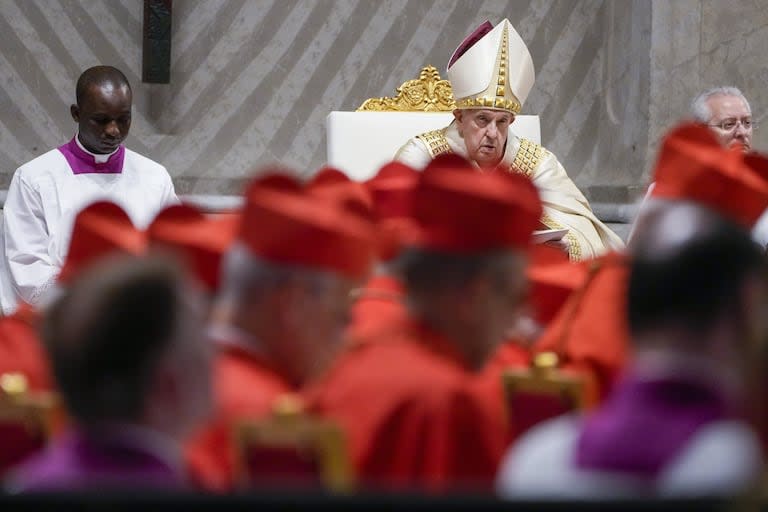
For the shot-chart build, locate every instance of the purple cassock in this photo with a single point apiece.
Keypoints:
(647, 422)
(665, 433)
(107, 458)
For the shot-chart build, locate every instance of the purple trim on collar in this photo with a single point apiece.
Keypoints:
(82, 163)
(646, 423)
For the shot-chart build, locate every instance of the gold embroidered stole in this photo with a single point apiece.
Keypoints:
(526, 159)
(436, 142)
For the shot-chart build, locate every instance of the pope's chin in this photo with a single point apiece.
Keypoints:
(487, 157)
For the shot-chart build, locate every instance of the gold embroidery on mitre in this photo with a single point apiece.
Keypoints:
(527, 157)
(435, 141)
(428, 93)
(498, 95)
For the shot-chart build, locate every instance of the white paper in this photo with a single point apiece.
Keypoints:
(548, 235)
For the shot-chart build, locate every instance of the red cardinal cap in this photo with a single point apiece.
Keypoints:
(200, 240)
(286, 222)
(459, 209)
(99, 230)
(392, 191)
(694, 166)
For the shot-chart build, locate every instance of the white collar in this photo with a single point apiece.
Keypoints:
(99, 159)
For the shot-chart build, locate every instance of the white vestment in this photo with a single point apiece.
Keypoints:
(723, 458)
(564, 205)
(45, 196)
(759, 230)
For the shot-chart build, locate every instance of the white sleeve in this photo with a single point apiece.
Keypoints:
(29, 265)
(414, 154)
(722, 459)
(169, 192)
(541, 466)
(538, 465)
(760, 231)
(640, 210)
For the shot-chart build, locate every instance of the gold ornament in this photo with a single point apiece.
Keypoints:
(428, 93)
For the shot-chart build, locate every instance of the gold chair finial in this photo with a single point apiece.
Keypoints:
(288, 406)
(545, 361)
(13, 383)
(428, 93)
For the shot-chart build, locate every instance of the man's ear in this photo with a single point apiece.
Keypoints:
(473, 294)
(74, 111)
(289, 302)
(458, 116)
(753, 300)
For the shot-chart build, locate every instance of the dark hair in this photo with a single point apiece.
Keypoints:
(96, 76)
(106, 334)
(693, 284)
(424, 270)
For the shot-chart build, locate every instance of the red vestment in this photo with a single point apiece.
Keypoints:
(378, 309)
(245, 387)
(590, 332)
(415, 416)
(21, 350)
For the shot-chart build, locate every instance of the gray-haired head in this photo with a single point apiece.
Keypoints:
(294, 315)
(700, 109)
(245, 276)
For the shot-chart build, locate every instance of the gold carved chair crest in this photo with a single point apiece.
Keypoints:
(292, 449)
(27, 420)
(544, 391)
(428, 93)
(360, 142)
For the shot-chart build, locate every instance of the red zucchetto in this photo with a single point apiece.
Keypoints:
(694, 166)
(99, 230)
(286, 222)
(198, 239)
(459, 210)
(392, 192)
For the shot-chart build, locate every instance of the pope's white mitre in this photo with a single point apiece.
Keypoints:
(492, 68)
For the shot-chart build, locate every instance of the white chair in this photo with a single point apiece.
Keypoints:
(360, 142)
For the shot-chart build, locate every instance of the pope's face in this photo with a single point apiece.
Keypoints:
(103, 117)
(484, 133)
(731, 120)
